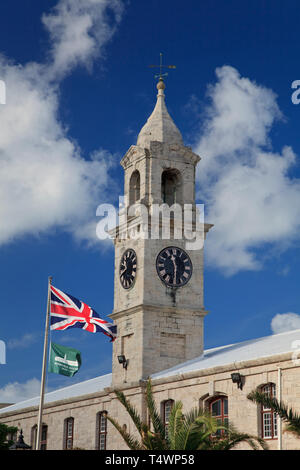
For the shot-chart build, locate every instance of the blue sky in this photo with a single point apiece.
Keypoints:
(79, 89)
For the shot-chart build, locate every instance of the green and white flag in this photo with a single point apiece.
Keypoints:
(63, 360)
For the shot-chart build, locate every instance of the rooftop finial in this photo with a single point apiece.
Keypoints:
(159, 126)
(161, 75)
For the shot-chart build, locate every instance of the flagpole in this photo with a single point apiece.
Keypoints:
(40, 415)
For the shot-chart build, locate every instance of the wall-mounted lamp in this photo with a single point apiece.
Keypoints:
(122, 360)
(237, 378)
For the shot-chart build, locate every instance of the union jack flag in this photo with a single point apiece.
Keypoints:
(68, 312)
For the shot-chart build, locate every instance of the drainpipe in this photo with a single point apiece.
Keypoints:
(279, 422)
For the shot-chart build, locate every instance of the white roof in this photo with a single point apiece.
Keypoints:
(82, 388)
(232, 353)
(238, 352)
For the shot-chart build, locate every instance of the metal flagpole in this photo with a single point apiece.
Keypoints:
(40, 416)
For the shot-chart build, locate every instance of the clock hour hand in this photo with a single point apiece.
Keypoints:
(125, 268)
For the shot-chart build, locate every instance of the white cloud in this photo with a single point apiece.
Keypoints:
(24, 342)
(79, 29)
(285, 322)
(14, 392)
(44, 181)
(249, 194)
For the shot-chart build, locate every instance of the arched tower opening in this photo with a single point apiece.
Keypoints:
(134, 187)
(171, 187)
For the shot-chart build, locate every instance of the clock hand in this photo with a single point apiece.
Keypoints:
(175, 269)
(125, 268)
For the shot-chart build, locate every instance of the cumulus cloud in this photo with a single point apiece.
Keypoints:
(79, 29)
(249, 193)
(285, 322)
(45, 181)
(14, 392)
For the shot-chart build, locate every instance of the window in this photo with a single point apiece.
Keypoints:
(101, 430)
(33, 436)
(43, 442)
(171, 187)
(134, 187)
(268, 417)
(44, 438)
(166, 410)
(11, 436)
(218, 408)
(69, 433)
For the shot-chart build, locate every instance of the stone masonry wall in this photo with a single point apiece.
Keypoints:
(191, 389)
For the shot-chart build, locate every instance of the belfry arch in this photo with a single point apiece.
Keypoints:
(171, 186)
(134, 187)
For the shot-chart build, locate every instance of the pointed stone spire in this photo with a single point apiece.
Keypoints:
(159, 126)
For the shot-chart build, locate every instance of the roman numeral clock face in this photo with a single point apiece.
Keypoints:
(174, 266)
(127, 270)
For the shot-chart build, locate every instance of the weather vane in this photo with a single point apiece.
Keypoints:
(161, 66)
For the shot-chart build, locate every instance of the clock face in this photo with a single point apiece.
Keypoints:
(174, 266)
(127, 269)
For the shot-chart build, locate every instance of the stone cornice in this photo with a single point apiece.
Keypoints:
(160, 150)
(133, 155)
(231, 367)
(174, 152)
(148, 308)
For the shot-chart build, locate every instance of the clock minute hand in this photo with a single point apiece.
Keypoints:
(175, 269)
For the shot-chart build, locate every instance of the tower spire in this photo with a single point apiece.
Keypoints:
(160, 126)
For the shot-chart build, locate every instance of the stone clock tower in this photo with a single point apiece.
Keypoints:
(158, 293)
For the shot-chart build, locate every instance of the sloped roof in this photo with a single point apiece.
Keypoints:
(160, 126)
(238, 352)
(82, 388)
(233, 353)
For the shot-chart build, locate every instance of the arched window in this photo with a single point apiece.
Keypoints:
(268, 417)
(68, 433)
(134, 187)
(101, 430)
(171, 187)
(166, 408)
(218, 407)
(12, 436)
(33, 439)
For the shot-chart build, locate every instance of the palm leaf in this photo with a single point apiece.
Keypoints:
(141, 427)
(132, 443)
(155, 418)
(232, 440)
(280, 408)
(154, 441)
(194, 430)
(175, 426)
(204, 428)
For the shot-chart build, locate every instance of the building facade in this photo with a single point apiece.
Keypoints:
(159, 312)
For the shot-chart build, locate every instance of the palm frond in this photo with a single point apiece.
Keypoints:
(132, 443)
(141, 427)
(175, 426)
(154, 441)
(280, 408)
(155, 418)
(195, 430)
(205, 428)
(231, 440)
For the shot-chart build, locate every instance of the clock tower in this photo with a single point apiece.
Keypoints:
(158, 286)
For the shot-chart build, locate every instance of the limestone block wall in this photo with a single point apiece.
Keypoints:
(192, 389)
